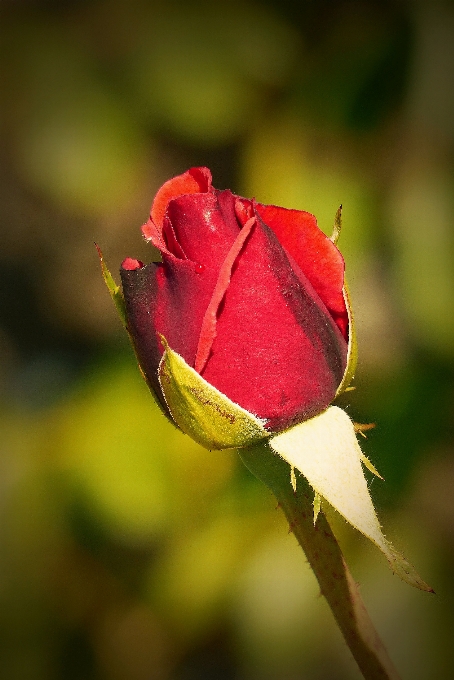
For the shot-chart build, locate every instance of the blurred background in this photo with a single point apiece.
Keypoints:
(127, 552)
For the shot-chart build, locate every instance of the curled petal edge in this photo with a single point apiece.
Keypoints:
(202, 411)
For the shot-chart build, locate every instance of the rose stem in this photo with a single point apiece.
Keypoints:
(326, 559)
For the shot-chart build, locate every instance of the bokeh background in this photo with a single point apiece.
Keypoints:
(126, 551)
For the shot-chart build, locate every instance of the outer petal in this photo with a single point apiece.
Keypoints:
(277, 352)
(314, 252)
(171, 298)
(168, 298)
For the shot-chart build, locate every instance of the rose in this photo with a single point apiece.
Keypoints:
(249, 295)
(245, 335)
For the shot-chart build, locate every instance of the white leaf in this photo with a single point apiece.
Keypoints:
(325, 450)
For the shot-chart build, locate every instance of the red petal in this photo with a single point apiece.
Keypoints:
(172, 298)
(131, 264)
(208, 332)
(151, 233)
(168, 298)
(203, 225)
(277, 352)
(316, 255)
(193, 181)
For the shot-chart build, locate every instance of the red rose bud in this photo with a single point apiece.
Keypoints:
(249, 295)
(245, 335)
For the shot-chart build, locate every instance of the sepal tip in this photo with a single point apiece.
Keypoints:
(114, 290)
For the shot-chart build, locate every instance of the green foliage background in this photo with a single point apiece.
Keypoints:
(127, 552)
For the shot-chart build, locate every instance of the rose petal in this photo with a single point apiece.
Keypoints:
(171, 298)
(204, 226)
(316, 255)
(168, 298)
(277, 353)
(193, 181)
(151, 233)
(131, 263)
(208, 331)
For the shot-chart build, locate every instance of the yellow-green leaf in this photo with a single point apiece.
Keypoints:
(201, 411)
(325, 450)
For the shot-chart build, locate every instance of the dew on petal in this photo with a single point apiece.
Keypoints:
(199, 267)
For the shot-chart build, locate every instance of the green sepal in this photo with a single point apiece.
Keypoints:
(337, 226)
(352, 351)
(114, 290)
(370, 466)
(202, 411)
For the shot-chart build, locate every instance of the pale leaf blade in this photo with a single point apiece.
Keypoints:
(325, 450)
